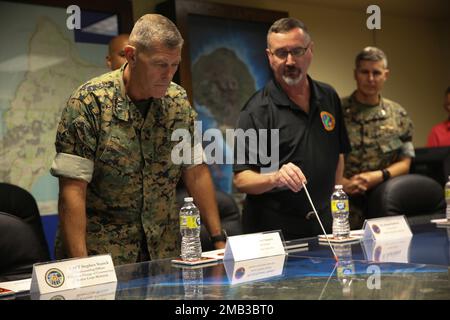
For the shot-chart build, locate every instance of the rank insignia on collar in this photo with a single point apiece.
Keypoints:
(328, 120)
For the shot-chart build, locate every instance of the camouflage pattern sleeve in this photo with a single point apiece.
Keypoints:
(406, 133)
(76, 141)
(197, 154)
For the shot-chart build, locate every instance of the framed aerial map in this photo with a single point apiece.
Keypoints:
(226, 63)
(225, 46)
(42, 63)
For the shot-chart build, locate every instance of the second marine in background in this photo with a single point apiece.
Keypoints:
(380, 133)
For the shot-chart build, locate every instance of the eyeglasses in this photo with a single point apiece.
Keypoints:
(283, 53)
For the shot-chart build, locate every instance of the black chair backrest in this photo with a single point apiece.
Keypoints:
(411, 195)
(432, 162)
(19, 246)
(20, 203)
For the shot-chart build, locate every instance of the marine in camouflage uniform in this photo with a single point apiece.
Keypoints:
(102, 138)
(379, 136)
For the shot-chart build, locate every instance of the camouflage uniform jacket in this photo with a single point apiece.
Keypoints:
(379, 135)
(102, 138)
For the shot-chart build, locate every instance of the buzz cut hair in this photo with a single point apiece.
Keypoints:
(371, 54)
(285, 25)
(155, 29)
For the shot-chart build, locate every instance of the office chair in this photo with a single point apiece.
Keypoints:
(418, 197)
(19, 248)
(20, 219)
(432, 162)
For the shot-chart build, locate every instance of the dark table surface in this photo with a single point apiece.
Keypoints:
(417, 268)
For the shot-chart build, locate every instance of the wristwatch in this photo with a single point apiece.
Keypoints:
(386, 174)
(219, 237)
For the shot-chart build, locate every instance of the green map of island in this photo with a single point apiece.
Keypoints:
(223, 83)
(54, 69)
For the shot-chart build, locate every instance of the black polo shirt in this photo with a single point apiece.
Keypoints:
(312, 141)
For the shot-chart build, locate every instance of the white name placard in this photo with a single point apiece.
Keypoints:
(72, 274)
(255, 269)
(387, 228)
(254, 246)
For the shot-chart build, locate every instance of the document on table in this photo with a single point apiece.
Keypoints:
(17, 285)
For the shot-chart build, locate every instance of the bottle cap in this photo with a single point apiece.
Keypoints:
(338, 186)
(188, 199)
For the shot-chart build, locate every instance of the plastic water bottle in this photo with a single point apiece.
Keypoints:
(193, 283)
(191, 248)
(340, 212)
(447, 198)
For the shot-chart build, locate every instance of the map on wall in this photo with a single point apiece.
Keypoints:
(40, 66)
(228, 64)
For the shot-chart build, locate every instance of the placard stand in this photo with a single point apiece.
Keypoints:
(73, 273)
(387, 228)
(254, 246)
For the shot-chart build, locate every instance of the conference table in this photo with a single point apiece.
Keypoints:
(412, 269)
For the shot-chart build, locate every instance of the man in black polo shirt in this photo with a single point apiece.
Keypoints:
(312, 141)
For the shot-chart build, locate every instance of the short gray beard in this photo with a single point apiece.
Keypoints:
(292, 81)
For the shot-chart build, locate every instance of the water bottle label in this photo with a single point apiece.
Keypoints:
(447, 193)
(183, 222)
(190, 222)
(339, 205)
(345, 270)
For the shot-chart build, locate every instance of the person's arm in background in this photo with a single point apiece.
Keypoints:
(339, 179)
(251, 182)
(373, 178)
(72, 215)
(352, 186)
(74, 166)
(199, 185)
(369, 180)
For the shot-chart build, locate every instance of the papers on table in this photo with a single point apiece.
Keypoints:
(295, 246)
(441, 222)
(17, 285)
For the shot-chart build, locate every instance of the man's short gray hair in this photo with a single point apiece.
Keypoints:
(371, 54)
(285, 25)
(155, 29)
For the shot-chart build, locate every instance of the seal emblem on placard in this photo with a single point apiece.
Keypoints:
(239, 273)
(54, 278)
(376, 229)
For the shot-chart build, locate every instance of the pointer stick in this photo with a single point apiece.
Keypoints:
(328, 280)
(320, 222)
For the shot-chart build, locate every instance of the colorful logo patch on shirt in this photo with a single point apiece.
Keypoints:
(327, 120)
